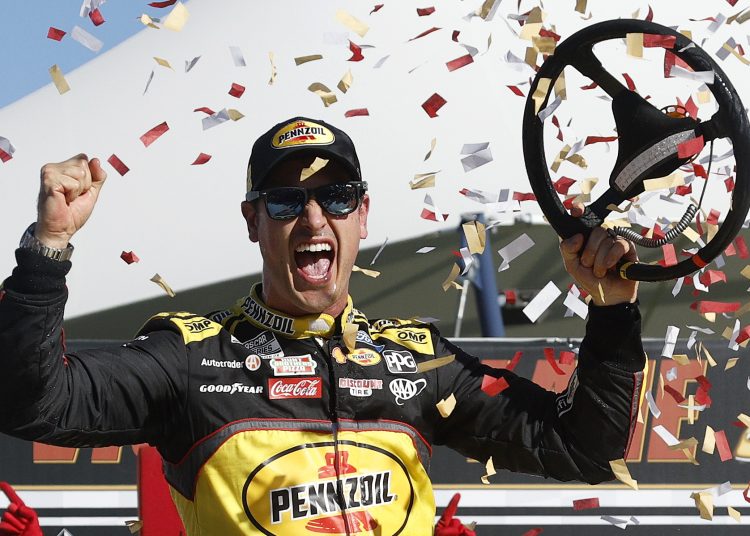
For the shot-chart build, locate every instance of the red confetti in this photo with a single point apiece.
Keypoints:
(523, 196)
(713, 217)
(430, 215)
(702, 397)
(516, 90)
(679, 398)
(690, 147)
(746, 493)
(96, 17)
(154, 134)
(549, 355)
(516, 356)
(592, 85)
(725, 453)
(548, 33)
(684, 190)
(459, 62)
(492, 386)
(744, 335)
(741, 247)
(5, 156)
(424, 11)
(729, 183)
(129, 257)
(237, 90)
(356, 52)
(356, 112)
(118, 164)
(599, 139)
(205, 110)
(670, 257)
(586, 504)
(201, 159)
(533, 532)
(670, 60)
(54, 33)
(716, 307)
(376, 8)
(691, 108)
(556, 122)
(732, 2)
(699, 171)
(567, 358)
(710, 277)
(730, 251)
(167, 3)
(650, 14)
(426, 32)
(629, 81)
(454, 35)
(658, 40)
(510, 299)
(433, 104)
(563, 184)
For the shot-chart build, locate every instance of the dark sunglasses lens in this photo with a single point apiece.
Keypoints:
(285, 203)
(338, 199)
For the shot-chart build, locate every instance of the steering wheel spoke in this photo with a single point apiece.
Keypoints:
(589, 65)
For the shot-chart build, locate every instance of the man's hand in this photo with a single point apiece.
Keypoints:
(67, 196)
(594, 265)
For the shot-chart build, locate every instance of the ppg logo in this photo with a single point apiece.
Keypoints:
(400, 362)
(404, 389)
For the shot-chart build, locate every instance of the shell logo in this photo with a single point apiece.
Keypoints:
(326, 488)
(364, 356)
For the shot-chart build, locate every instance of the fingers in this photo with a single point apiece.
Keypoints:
(72, 177)
(603, 252)
(98, 175)
(570, 248)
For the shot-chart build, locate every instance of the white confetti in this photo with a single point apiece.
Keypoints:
(706, 77)
(575, 305)
(190, 64)
(666, 435)
(652, 407)
(86, 39)
(550, 109)
(672, 374)
(513, 250)
(237, 57)
(148, 82)
(425, 249)
(382, 247)
(670, 340)
(541, 302)
(216, 119)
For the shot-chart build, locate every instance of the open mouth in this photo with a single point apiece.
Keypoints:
(314, 261)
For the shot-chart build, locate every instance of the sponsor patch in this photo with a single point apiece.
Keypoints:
(302, 133)
(197, 328)
(400, 361)
(268, 319)
(404, 389)
(565, 400)
(293, 365)
(285, 388)
(413, 338)
(231, 389)
(338, 354)
(364, 338)
(252, 362)
(206, 362)
(360, 386)
(364, 357)
(264, 345)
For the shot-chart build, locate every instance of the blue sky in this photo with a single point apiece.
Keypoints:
(28, 53)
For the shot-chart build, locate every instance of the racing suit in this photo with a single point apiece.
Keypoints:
(270, 424)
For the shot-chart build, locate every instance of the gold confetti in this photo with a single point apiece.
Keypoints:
(474, 232)
(317, 165)
(368, 273)
(273, 69)
(691, 413)
(177, 18)
(559, 87)
(159, 280)
(746, 272)
(351, 22)
(601, 292)
(734, 514)
(486, 8)
(540, 93)
(744, 419)
(432, 364)
(304, 59)
(634, 43)
(704, 502)
(446, 406)
(58, 79)
(731, 362)
(423, 180)
(134, 525)
(709, 441)
(620, 469)
(234, 115)
(681, 359)
(489, 469)
(704, 97)
(346, 81)
(322, 91)
(432, 148)
(530, 57)
(544, 45)
(581, 6)
(349, 336)
(148, 21)
(163, 62)
(451, 277)
(709, 357)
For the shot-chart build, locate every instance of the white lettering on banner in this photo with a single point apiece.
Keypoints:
(400, 362)
(360, 386)
(220, 364)
(293, 365)
(265, 345)
(266, 318)
(283, 388)
(231, 389)
(404, 389)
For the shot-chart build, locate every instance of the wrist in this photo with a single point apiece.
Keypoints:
(51, 240)
(30, 241)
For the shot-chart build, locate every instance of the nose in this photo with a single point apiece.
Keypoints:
(312, 216)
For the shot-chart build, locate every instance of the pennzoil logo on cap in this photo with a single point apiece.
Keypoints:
(302, 133)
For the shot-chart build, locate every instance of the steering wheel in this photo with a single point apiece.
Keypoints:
(647, 143)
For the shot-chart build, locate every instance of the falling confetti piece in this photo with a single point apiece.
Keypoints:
(273, 69)
(446, 406)
(422, 180)
(322, 91)
(356, 52)
(164, 4)
(377, 8)
(118, 164)
(351, 22)
(620, 469)
(356, 112)
(6, 149)
(86, 39)
(433, 104)
(346, 81)
(541, 302)
(177, 18)
(236, 90)
(492, 386)
(426, 32)
(96, 17)
(425, 11)
(459, 62)
(129, 257)
(154, 134)
(432, 364)
(59, 80)
(159, 280)
(190, 64)
(432, 148)
(201, 159)
(237, 56)
(317, 165)
(586, 504)
(489, 469)
(55, 34)
(549, 355)
(301, 60)
(365, 271)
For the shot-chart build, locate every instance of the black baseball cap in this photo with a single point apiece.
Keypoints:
(296, 137)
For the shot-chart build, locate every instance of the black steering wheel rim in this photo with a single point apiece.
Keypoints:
(730, 121)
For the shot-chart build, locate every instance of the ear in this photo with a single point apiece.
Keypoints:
(251, 219)
(364, 209)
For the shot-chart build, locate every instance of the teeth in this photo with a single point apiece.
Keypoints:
(313, 248)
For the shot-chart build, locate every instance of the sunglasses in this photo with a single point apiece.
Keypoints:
(288, 202)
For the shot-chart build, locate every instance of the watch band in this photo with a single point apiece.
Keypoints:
(30, 242)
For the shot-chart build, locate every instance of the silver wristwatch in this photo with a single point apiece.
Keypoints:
(29, 241)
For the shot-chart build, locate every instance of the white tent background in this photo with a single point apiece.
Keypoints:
(184, 221)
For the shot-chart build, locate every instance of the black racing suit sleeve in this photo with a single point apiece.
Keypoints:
(106, 396)
(525, 428)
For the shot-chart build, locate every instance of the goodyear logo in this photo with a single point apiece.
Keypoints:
(365, 357)
(302, 133)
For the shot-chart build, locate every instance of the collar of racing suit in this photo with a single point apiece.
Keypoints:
(294, 327)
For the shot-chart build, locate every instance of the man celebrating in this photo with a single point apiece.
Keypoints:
(292, 413)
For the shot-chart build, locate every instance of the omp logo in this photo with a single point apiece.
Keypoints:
(404, 389)
(231, 389)
(302, 133)
(400, 362)
(198, 325)
(414, 336)
(355, 489)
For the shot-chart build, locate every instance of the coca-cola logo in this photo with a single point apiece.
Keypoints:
(283, 388)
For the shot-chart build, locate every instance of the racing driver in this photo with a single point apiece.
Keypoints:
(291, 412)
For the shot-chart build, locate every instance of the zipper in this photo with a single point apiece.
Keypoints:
(333, 416)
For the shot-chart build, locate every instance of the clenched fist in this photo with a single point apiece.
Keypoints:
(67, 196)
